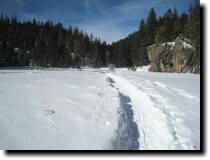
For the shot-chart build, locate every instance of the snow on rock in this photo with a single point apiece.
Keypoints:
(185, 43)
(178, 56)
(188, 45)
(169, 44)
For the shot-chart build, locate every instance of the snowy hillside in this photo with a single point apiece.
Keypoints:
(96, 109)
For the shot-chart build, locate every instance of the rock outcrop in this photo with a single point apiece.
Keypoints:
(178, 56)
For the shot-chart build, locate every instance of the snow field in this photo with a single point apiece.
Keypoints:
(57, 110)
(96, 109)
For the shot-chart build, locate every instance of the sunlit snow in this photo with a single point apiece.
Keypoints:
(97, 109)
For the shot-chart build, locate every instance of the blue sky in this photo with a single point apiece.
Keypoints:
(110, 20)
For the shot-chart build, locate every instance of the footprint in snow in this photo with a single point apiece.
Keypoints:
(47, 112)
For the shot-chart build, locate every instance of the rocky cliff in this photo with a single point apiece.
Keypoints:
(178, 56)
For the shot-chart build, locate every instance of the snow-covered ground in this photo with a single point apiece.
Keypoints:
(96, 109)
(49, 109)
(166, 107)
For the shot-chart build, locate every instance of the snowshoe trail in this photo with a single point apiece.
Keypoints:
(161, 125)
(127, 132)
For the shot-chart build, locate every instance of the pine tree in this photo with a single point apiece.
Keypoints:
(1, 53)
(184, 24)
(168, 26)
(194, 27)
(151, 26)
(176, 23)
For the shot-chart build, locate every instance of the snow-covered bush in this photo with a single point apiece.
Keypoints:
(133, 68)
(111, 67)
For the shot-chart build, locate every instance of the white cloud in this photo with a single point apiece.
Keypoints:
(135, 8)
(105, 23)
(106, 32)
(108, 26)
(90, 4)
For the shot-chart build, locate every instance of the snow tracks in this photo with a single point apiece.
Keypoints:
(127, 132)
(160, 127)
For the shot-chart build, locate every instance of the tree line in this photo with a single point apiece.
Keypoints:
(51, 45)
(47, 45)
(132, 51)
